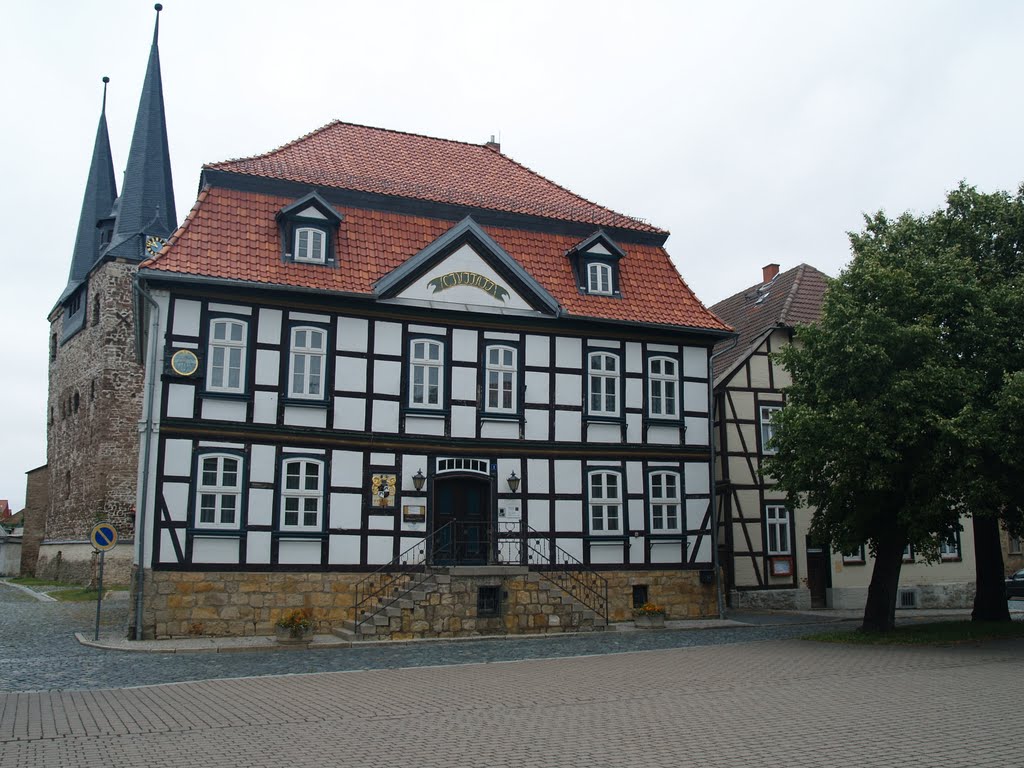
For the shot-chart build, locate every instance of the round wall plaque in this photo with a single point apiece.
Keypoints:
(184, 362)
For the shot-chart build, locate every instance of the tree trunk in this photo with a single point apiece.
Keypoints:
(990, 589)
(880, 609)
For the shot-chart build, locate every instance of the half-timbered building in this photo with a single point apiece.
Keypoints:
(769, 558)
(409, 383)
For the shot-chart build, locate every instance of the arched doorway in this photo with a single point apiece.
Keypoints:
(462, 520)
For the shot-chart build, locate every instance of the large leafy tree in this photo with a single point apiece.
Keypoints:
(893, 426)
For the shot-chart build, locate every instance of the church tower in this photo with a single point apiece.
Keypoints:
(95, 381)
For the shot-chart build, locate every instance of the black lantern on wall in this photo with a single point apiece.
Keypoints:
(513, 482)
(418, 480)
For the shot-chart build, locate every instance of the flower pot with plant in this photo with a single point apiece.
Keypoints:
(649, 616)
(294, 627)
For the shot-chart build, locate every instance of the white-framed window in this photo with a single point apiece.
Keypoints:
(306, 366)
(666, 504)
(766, 414)
(603, 383)
(663, 387)
(776, 521)
(1014, 548)
(855, 556)
(302, 494)
(219, 493)
(908, 553)
(949, 547)
(501, 380)
(599, 278)
(226, 365)
(426, 374)
(310, 245)
(605, 502)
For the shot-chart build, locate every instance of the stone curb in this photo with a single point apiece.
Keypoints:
(40, 596)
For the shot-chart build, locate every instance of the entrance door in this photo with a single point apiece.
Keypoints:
(817, 576)
(462, 521)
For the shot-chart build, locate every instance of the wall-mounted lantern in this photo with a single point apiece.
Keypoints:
(418, 480)
(513, 483)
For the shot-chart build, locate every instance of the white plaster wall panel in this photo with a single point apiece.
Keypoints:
(410, 464)
(298, 552)
(421, 425)
(604, 343)
(387, 377)
(666, 552)
(261, 506)
(508, 430)
(634, 393)
(349, 374)
(180, 400)
(382, 459)
(704, 550)
(634, 428)
(406, 543)
(568, 352)
(695, 397)
(537, 425)
(567, 426)
(264, 407)
(537, 475)
(573, 546)
(385, 416)
(463, 421)
(343, 550)
(262, 461)
(605, 553)
(465, 259)
(381, 522)
(379, 549)
(311, 213)
(567, 476)
(695, 476)
(635, 481)
(538, 512)
(257, 547)
(406, 525)
(387, 338)
(568, 515)
(347, 469)
(307, 317)
(186, 317)
(352, 333)
(314, 451)
(167, 554)
(221, 444)
(269, 331)
(667, 349)
(464, 384)
(599, 248)
(499, 336)
(176, 496)
(350, 413)
(268, 366)
(231, 309)
(215, 549)
(696, 430)
(663, 435)
(464, 345)
(637, 549)
(634, 357)
(759, 372)
(568, 389)
(505, 468)
(538, 351)
(636, 513)
(537, 388)
(602, 433)
(304, 416)
(695, 362)
(224, 410)
(346, 510)
(433, 330)
(178, 458)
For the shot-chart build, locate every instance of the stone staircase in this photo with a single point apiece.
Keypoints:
(445, 603)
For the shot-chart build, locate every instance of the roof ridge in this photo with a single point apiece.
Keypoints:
(176, 235)
(275, 150)
(793, 289)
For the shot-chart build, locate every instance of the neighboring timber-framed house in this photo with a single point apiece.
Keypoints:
(416, 389)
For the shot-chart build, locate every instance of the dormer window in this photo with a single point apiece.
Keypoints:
(599, 278)
(310, 245)
(595, 262)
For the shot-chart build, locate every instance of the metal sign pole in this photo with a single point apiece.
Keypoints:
(99, 596)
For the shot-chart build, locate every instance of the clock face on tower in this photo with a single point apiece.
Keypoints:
(154, 244)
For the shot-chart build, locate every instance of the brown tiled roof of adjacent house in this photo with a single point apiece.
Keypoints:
(233, 235)
(376, 160)
(791, 298)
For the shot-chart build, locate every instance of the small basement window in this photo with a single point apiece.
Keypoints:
(488, 602)
(640, 593)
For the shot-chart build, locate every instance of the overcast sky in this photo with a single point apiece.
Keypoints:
(755, 132)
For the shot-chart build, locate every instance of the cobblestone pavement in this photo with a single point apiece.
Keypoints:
(788, 702)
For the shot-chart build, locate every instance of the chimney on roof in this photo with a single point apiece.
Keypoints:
(492, 144)
(769, 271)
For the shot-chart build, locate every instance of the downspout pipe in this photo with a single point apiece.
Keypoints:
(712, 444)
(147, 434)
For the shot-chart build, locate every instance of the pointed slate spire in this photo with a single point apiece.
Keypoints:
(100, 193)
(146, 206)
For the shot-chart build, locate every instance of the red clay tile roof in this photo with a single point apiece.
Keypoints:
(792, 298)
(233, 235)
(387, 162)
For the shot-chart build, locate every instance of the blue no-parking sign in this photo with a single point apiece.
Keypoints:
(103, 536)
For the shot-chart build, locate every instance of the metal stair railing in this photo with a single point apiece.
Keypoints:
(397, 578)
(565, 571)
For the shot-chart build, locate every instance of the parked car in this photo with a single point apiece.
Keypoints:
(1015, 585)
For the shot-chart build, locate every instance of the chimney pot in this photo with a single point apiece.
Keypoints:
(769, 271)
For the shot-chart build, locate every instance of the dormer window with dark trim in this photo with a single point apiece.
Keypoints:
(309, 231)
(595, 263)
